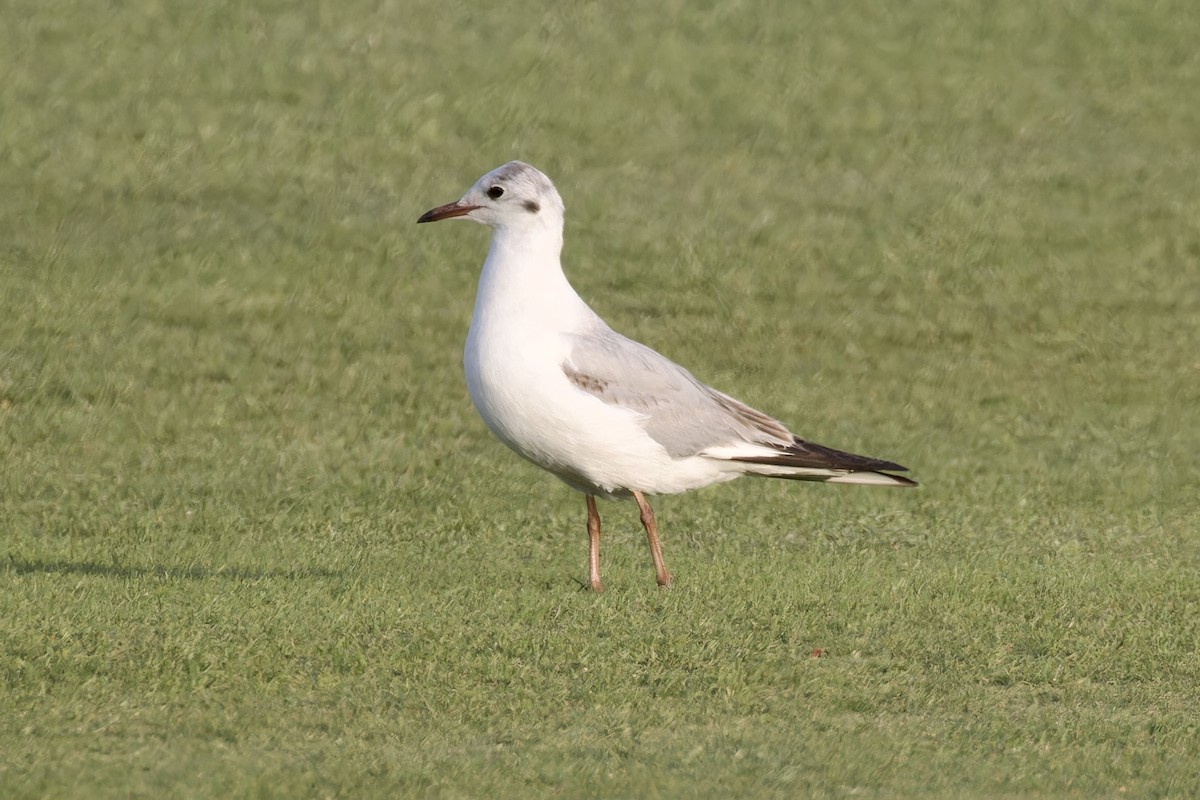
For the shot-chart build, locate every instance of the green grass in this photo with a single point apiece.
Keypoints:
(256, 542)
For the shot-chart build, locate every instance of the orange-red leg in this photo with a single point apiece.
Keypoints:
(660, 569)
(594, 545)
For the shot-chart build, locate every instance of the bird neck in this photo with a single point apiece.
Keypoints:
(523, 277)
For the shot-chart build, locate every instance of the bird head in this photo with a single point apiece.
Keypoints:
(514, 195)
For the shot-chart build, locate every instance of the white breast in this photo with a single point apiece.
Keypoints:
(525, 313)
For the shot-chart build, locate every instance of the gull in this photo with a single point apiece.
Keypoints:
(606, 415)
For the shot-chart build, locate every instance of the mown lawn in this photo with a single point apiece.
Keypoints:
(256, 543)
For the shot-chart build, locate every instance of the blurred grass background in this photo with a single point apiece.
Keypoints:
(257, 543)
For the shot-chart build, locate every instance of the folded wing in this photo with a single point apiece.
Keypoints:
(689, 418)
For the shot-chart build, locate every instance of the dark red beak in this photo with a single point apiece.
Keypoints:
(447, 211)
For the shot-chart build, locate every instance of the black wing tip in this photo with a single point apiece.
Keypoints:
(842, 459)
(810, 455)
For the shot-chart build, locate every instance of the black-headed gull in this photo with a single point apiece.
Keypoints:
(608, 416)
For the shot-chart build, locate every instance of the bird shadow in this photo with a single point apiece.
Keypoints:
(22, 566)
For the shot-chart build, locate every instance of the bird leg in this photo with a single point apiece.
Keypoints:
(593, 526)
(660, 569)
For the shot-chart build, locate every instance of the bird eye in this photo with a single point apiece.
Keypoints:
(496, 192)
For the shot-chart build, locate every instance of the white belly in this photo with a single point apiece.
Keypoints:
(515, 378)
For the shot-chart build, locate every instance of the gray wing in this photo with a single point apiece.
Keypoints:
(681, 413)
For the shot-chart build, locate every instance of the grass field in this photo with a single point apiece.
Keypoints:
(256, 543)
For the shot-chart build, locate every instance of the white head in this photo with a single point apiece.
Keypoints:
(512, 196)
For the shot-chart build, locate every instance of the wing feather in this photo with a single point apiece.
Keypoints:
(681, 413)
(689, 418)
